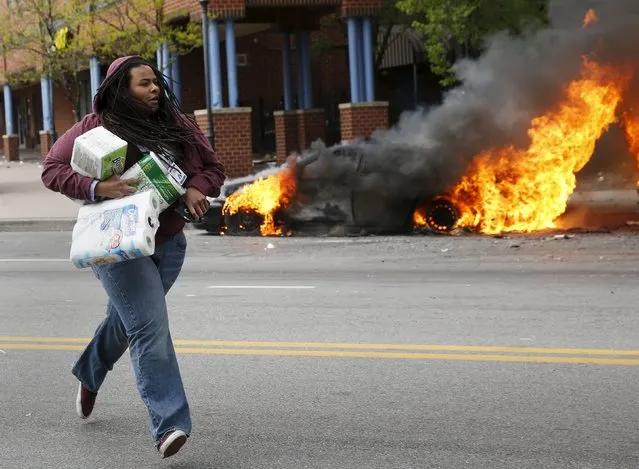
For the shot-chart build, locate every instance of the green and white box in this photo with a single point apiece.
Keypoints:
(99, 154)
(154, 175)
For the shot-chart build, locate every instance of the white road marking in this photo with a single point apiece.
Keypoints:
(34, 260)
(2, 351)
(262, 287)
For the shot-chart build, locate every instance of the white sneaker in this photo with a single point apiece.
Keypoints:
(171, 443)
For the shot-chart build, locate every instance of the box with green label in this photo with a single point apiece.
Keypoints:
(153, 175)
(99, 154)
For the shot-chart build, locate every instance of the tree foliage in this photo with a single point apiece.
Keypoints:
(57, 38)
(138, 27)
(454, 29)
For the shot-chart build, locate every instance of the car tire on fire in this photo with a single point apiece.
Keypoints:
(243, 223)
(441, 215)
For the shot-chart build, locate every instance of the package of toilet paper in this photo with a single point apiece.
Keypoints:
(154, 175)
(115, 230)
(99, 154)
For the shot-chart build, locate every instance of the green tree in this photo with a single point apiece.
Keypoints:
(138, 27)
(455, 29)
(57, 38)
(44, 37)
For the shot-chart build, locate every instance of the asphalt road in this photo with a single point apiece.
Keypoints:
(407, 352)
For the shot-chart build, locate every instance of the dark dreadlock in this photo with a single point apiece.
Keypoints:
(167, 132)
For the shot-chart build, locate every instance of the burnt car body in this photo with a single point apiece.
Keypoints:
(333, 193)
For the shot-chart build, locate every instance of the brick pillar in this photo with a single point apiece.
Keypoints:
(46, 142)
(311, 127)
(285, 134)
(359, 120)
(10, 147)
(233, 138)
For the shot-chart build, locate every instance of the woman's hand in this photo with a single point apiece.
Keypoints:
(114, 187)
(196, 202)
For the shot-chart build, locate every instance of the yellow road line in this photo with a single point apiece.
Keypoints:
(354, 354)
(354, 346)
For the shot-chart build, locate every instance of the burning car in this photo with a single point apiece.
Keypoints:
(322, 190)
(478, 162)
(500, 155)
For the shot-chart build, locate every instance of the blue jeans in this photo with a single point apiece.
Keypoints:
(136, 317)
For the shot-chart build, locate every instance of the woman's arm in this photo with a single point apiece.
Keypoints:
(210, 179)
(57, 173)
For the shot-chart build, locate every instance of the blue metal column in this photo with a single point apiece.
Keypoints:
(299, 48)
(47, 104)
(369, 67)
(353, 62)
(8, 111)
(166, 64)
(306, 69)
(286, 71)
(175, 76)
(215, 77)
(360, 59)
(94, 71)
(51, 108)
(231, 62)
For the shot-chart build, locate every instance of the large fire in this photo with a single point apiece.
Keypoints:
(510, 189)
(524, 190)
(265, 196)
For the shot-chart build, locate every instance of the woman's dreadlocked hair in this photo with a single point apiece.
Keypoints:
(166, 132)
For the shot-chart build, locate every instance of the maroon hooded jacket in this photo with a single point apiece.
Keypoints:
(204, 171)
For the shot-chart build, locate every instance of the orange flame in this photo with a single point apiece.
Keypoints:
(419, 218)
(510, 189)
(630, 125)
(264, 196)
(590, 18)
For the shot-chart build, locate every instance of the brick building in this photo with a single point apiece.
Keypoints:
(274, 89)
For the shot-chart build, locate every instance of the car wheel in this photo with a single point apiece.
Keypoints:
(442, 215)
(243, 223)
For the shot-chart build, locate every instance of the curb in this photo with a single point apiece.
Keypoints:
(45, 224)
(40, 224)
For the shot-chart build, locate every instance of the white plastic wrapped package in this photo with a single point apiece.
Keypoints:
(98, 154)
(115, 230)
(154, 175)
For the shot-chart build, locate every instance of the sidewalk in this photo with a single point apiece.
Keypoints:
(25, 204)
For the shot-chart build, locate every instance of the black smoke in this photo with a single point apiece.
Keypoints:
(515, 80)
